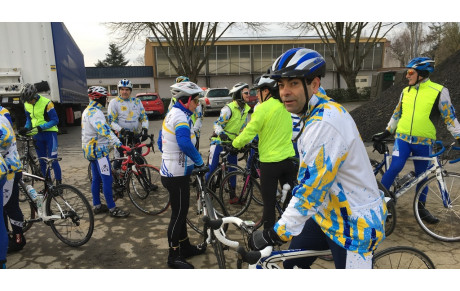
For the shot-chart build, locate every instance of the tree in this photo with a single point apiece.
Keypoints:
(409, 43)
(190, 42)
(114, 58)
(349, 52)
(450, 42)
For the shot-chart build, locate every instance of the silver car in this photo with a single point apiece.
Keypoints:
(213, 99)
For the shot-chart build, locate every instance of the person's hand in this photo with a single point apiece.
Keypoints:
(381, 135)
(261, 239)
(23, 131)
(145, 134)
(124, 132)
(232, 150)
(39, 129)
(223, 136)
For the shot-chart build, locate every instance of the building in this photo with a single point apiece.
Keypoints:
(244, 59)
(108, 77)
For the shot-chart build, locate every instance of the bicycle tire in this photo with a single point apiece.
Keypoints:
(215, 178)
(144, 198)
(195, 215)
(390, 222)
(242, 191)
(401, 257)
(77, 227)
(27, 209)
(448, 227)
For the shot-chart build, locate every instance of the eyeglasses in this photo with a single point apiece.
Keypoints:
(196, 100)
(410, 72)
(246, 93)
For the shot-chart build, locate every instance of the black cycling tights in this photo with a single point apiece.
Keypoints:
(270, 174)
(179, 196)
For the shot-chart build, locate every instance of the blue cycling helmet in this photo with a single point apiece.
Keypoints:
(125, 83)
(299, 63)
(182, 79)
(421, 64)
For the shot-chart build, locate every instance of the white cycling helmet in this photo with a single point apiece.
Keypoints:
(236, 90)
(96, 92)
(125, 83)
(185, 89)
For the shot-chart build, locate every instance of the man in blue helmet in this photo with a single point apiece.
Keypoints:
(336, 204)
(412, 124)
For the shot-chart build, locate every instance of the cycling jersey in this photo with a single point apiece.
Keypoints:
(6, 113)
(8, 148)
(232, 121)
(197, 116)
(127, 114)
(96, 135)
(177, 142)
(412, 119)
(273, 123)
(336, 184)
(42, 114)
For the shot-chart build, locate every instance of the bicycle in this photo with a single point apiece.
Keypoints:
(442, 188)
(28, 159)
(139, 181)
(64, 208)
(400, 257)
(206, 203)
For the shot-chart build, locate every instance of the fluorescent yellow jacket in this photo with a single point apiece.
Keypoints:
(273, 123)
(39, 113)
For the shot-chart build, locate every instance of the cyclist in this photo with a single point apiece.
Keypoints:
(273, 125)
(179, 157)
(96, 137)
(126, 115)
(336, 204)
(412, 121)
(231, 122)
(11, 209)
(42, 121)
(197, 116)
(3, 232)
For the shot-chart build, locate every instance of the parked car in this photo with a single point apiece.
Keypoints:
(153, 105)
(214, 99)
(253, 99)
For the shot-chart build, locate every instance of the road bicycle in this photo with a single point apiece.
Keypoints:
(442, 190)
(140, 181)
(29, 160)
(64, 208)
(400, 257)
(204, 204)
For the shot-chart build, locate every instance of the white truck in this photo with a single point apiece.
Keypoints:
(46, 55)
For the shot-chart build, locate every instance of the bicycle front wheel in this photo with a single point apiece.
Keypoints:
(215, 178)
(444, 205)
(146, 191)
(77, 221)
(216, 244)
(401, 258)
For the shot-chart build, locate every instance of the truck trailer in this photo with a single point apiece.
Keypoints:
(46, 55)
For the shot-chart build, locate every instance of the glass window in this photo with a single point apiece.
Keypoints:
(245, 59)
(145, 86)
(234, 58)
(266, 60)
(256, 52)
(223, 66)
(162, 63)
(147, 97)
(217, 93)
(212, 68)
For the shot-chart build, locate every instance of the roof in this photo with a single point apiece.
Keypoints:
(119, 72)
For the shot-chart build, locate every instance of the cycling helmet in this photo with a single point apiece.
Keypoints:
(266, 81)
(96, 92)
(125, 83)
(299, 63)
(236, 90)
(184, 90)
(28, 92)
(182, 79)
(421, 64)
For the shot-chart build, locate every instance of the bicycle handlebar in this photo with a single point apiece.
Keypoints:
(252, 257)
(443, 149)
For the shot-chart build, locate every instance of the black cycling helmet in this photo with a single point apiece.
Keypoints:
(265, 82)
(28, 92)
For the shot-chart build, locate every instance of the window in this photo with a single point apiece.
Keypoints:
(148, 97)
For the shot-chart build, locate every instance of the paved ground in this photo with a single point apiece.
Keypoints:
(140, 240)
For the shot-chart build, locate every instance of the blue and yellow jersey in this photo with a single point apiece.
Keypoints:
(8, 147)
(232, 120)
(336, 184)
(127, 114)
(96, 135)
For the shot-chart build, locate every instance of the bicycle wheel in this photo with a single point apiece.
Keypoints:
(241, 186)
(29, 165)
(390, 222)
(195, 212)
(401, 258)
(444, 206)
(215, 179)
(77, 223)
(216, 244)
(146, 191)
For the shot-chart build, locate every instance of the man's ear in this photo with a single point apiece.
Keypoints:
(315, 84)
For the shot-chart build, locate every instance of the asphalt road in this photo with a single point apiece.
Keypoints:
(139, 242)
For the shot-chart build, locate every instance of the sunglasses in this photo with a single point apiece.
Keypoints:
(411, 72)
(246, 93)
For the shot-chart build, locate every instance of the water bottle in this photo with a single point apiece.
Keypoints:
(39, 204)
(286, 188)
(406, 178)
(32, 192)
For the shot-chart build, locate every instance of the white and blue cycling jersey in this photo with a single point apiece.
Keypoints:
(177, 143)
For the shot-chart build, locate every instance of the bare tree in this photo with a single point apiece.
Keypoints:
(350, 49)
(400, 47)
(450, 42)
(190, 42)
